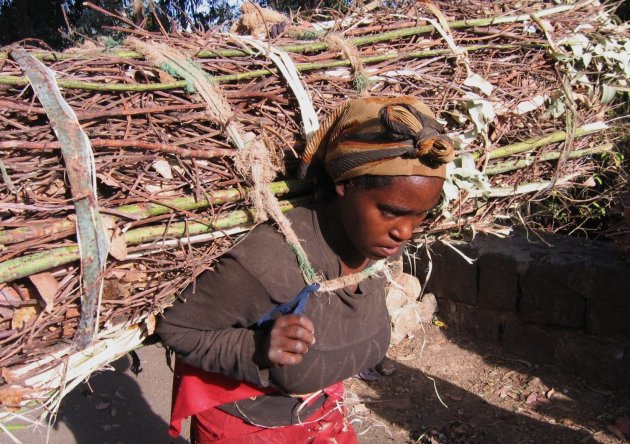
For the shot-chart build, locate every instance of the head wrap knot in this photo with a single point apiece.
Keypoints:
(378, 136)
(407, 122)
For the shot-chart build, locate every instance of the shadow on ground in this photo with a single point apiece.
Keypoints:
(112, 408)
(488, 395)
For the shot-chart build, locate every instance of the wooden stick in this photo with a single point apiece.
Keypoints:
(302, 67)
(149, 209)
(524, 163)
(38, 262)
(322, 46)
(115, 144)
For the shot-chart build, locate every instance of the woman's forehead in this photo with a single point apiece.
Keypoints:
(410, 192)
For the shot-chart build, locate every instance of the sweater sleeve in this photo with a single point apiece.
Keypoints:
(211, 326)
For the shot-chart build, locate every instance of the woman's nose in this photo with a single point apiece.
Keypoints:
(402, 231)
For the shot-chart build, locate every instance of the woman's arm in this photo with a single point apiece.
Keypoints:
(215, 328)
(229, 351)
(210, 328)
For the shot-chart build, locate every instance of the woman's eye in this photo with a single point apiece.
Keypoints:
(387, 213)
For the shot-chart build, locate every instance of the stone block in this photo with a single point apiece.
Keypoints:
(447, 310)
(608, 301)
(546, 296)
(487, 325)
(452, 276)
(498, 281)
(532, 342)
(599, 362)
(405, 321)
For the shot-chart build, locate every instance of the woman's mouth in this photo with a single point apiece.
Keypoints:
(390, 251)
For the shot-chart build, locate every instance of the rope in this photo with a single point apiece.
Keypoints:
(252, 159)
(353, 279)
(337, 42)
(445, 31)
(288, 69)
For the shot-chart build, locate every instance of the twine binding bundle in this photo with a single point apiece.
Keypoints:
(170, 187)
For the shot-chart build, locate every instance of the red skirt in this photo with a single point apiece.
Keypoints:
(196, 393)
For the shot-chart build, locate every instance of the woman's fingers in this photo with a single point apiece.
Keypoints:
(290, 338)
(279, 357)
(295, 327)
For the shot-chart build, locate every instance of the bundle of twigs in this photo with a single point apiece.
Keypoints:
(525, 91)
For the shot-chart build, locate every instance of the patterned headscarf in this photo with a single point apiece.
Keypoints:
(396, 136)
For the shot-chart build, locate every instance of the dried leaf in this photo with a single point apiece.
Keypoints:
(360, 409)
(113, 290)
(8, 375)
(5, 313)
(531, 104)
(117, 243)
(151, 322)
(165, 77)
(153, 188)
(13, 395)
(9, 296)
(164, 168)
(68, 330)
(23, 316)
(108, 180)
(47, 286)
(474, 80)
(134, 276)
(72, 313)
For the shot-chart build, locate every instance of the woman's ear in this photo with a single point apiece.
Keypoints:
(340, 189)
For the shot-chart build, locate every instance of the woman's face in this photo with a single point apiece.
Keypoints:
(379, 221)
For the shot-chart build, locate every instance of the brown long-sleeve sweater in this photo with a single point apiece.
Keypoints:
(214, 328)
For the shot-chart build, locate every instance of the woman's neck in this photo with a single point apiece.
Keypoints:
(352, 260)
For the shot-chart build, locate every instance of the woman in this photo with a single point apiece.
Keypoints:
(244, 380)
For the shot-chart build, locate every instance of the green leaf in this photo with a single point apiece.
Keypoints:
(608, 94)
(556, 109)
(560, 56)
(458, 117)
(467, 162)
(481, 112)
(577, 50)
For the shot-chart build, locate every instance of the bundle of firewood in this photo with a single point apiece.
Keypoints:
(125, 141)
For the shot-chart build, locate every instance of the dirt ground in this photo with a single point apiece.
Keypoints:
(491, 398)
(450, 389)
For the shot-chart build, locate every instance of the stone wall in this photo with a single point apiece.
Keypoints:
(559, 300)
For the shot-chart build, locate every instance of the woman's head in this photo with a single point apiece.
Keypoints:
(379, 220)
(387, 159)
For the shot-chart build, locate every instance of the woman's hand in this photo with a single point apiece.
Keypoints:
(286, 342)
